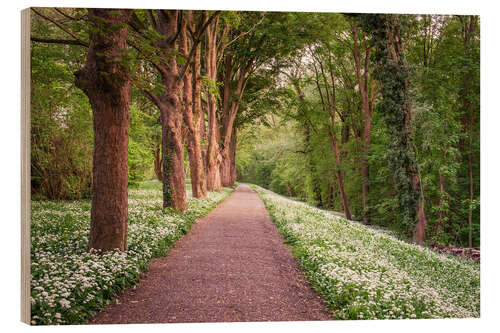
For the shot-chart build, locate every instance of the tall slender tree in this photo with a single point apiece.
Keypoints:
(367, 97)
(213, 156)
(192, 108)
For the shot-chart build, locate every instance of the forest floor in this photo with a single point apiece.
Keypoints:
(233, 265)
(368, 273)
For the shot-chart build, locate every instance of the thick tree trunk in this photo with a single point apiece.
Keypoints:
(174, 182)
(105, 81)
(191, 119)
(411, 169)
(419, 234)
(229, 111)
(225, 167)
(213, 158)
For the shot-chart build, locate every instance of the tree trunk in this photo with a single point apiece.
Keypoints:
(363, 89)
(174, 182)
(232, 155)
(340, 181)
(332, 109)
(468, 30)
(412, 198)
(440, 204)
(419, 232)
(107, 85)
(229, 111)
(169, 103)
(158, 160)
(471, 180)
(191, 119)
(213, 158)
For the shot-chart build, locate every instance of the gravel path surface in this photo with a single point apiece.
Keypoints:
(231, 266)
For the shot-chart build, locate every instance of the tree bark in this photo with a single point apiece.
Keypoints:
(229, 110)
(158, 161)
(213, 158)
(419, 232)
(232, 155)
(106, 83)
(174, 182)
(191, 118)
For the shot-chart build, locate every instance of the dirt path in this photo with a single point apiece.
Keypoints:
(231, 266)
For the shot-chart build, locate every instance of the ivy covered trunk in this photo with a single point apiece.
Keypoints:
(105, 81)
(392, 72)
(174, 183)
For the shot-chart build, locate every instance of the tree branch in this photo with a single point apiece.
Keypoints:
(195, 44)
(151, 19)
(244, 33)
(59, 41)
(60, 26)
(149, 94)
(66, 15)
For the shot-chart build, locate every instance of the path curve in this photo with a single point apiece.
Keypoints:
(233, 265)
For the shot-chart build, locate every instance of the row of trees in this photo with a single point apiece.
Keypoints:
(394, 100)
(167, 81)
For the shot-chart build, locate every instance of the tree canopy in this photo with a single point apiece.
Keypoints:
(376, 116)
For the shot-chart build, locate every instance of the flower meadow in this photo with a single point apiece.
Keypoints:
(364, 273)
(69, 284)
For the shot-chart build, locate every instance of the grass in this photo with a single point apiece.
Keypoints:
(69, 284)
(364, 273)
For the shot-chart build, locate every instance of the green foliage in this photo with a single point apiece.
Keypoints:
(433, 81)
(140, 146)
(61, 123)
(394, 106)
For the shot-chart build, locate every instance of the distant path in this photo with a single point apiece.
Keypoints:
(231, 266)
